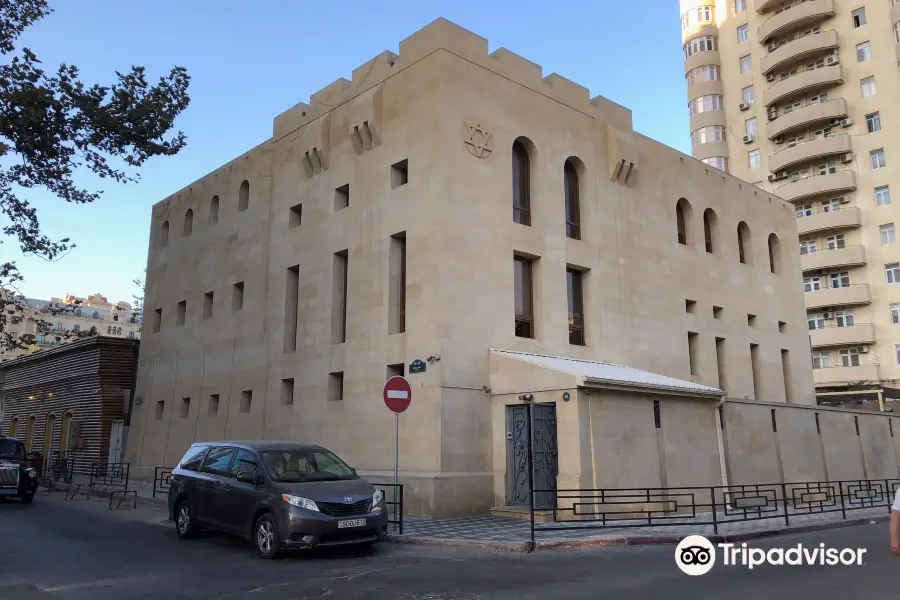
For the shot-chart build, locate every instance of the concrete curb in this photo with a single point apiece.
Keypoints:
(623, 540)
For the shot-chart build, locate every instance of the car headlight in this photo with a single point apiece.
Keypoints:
(377, 497)
(300, 502)
(31, 473)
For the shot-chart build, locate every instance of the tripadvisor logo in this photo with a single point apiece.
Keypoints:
(696, 555)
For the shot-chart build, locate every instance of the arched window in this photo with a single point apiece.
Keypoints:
(743, 239)
(13, 426)
(244, 196)
(49, 426)
(573, 207)
(95, 315)
(710, 225)
(109, 330)
(188, 223)
(774, 254)
(65, 433)
(164, 235)
(29, 434)
(118, 331)
(214, 210)
(521, 174)
(683, 214)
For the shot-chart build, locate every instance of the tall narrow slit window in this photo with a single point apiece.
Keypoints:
(339, 299)
(397, 293)
(521, 175)
(573, 208)
(575, 287)
(709, 230)
(523, 280)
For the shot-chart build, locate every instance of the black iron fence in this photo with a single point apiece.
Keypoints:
(110, 475)
(393, 500)
(162, 480)
(586, 509)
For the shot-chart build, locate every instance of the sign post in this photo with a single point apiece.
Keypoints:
(397, 396)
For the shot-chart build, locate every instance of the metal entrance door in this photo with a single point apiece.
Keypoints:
(543, 453)
(115, 442)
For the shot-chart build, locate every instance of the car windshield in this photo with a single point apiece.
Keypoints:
(307, 464)
(12, 449)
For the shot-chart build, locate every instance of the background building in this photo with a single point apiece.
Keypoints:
(801, 98)
(409, 216)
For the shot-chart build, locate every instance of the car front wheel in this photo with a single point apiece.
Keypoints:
(184, 521)
(266, 537)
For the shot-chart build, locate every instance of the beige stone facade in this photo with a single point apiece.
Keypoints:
(377, 227)
(800, 98)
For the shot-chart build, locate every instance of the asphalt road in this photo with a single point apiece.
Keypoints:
(76, 550)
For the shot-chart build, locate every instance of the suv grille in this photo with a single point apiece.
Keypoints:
(336, 509)
(9, 477)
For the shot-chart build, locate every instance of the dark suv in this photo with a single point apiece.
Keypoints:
(17, 479)
(281, 495)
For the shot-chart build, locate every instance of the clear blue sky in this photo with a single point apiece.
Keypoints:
(251, 60)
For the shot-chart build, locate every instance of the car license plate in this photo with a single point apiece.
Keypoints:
(351, 523)
(12, 492)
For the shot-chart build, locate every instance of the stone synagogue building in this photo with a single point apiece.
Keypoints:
(457, 207)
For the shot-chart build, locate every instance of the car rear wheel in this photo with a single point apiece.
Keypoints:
(266, 537)
(184, 521)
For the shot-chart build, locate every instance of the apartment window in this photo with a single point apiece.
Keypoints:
(708, 134)
(397, 292)
(820, 360)
(815, 64)
(244, 196)
(208, 305)
(831, 205)
(523, 283)
(828, 168)
(77, 328)
(213, 409)
(700, 44)
(743, 33)
(157, 320)
(754, 158)
(160, 409)
(863, 52)
(823, 133)
(246, 401)
(873, 122)
(291, 306)
(342, 197)
(185, 407)
(180, 312)
(859, 17)
(882, 196)
(877, 158)
(887, 233)
(850, 357)
(836, 242)
(188, 223)
(750, 127)
(339, 298)
(704, 73)
(840, 280)
(844, 318)
(574, 284)
(703, 104)
(521, 174)
(718, 162)
(746, 64)
(336, 386)
(295, 216)
(892, 272)
(816, 98)
(400, 173)
(868, 87)
(804, 211)
(701, 14)
(895, 314)
(573, 210)
(808, 247)
(748, 95)
(740, 6)
(287, 391)
(692, 352)
(815, 321)
(237, 296)
(214, 210)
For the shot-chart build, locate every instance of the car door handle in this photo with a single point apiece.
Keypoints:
(222, 486)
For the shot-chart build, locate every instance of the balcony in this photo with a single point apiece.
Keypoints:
(808, 13)
(851, 295)
(798, 49)
(839, 374)
(848, 256)
(698, 59)
(809, 150)
(860, 334)
(762, 6)
(803, 82)
(845, 218)
(842, 181)
(808, 115)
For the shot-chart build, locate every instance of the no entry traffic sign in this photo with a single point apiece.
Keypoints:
(397, 394)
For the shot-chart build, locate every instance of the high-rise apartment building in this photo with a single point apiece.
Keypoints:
(803, 99)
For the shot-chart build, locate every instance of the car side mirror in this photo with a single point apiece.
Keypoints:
(247, 477)
(352, 470)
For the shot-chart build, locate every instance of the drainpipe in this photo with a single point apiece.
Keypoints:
(720, 439)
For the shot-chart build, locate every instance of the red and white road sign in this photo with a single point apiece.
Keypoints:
(397, 394)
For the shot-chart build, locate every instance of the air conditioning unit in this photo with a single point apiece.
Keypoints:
(831, 60)
(770, 77)
(863, 349)
(748, 139)
(843, 200)
(846, 122)
(744, 107)
(827, 315)
(795, 177)
(772, 47)
(847, 158)
(836, 122)
(779, 140)
(773, 116)
(773, 178)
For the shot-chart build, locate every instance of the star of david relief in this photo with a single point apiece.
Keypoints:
(477, 140)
